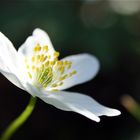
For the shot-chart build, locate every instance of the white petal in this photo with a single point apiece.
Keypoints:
(86, 66)
(79, 103)
(13, 79)
(43, 37)
(38, 36)
(75, 102)
(8, 54)
(8, 60)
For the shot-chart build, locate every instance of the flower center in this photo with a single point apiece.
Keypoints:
(45, 70)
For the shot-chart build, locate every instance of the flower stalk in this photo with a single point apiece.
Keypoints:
(19, 121)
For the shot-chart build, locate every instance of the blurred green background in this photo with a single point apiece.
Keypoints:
(108, 29)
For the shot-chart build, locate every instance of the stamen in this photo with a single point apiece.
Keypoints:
(47, 63)
(65, 62)
(37, 48)
(59, 62)
(63, 77)
(49, 56)
(37, 69)
(45, 70)
(54, 85)
(73, 73)
(27, 66)
(56, 54)
(33, 68)
(29, 74)
(69, 66)
(45, 48)
(52, 62)
(43, 58)
(38, 57)
(61, 83)
(33, 59)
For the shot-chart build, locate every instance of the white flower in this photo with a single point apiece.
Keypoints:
(36, 69)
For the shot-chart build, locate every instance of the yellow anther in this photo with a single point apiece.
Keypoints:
(29, 74)
(45, 48)
(61, 69)
(61, 83)
(33, 68)
(33, 59)
(69, 66)
(37, 48)
(73, 73)
(52, 62)
(50, 74)
(54, 85)
(38, 57)
(37, 69)
(56, 54)
(27, 66)
(55, 59)
(41, 57)
(47, 63)
(60, 63)
(66, 62)
(42, 66)
(49, 57)
(44, 59)
(63, 77)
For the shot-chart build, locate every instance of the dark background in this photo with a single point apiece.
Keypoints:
(95, 27)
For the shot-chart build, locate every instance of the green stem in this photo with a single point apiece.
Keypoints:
(15, 125)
